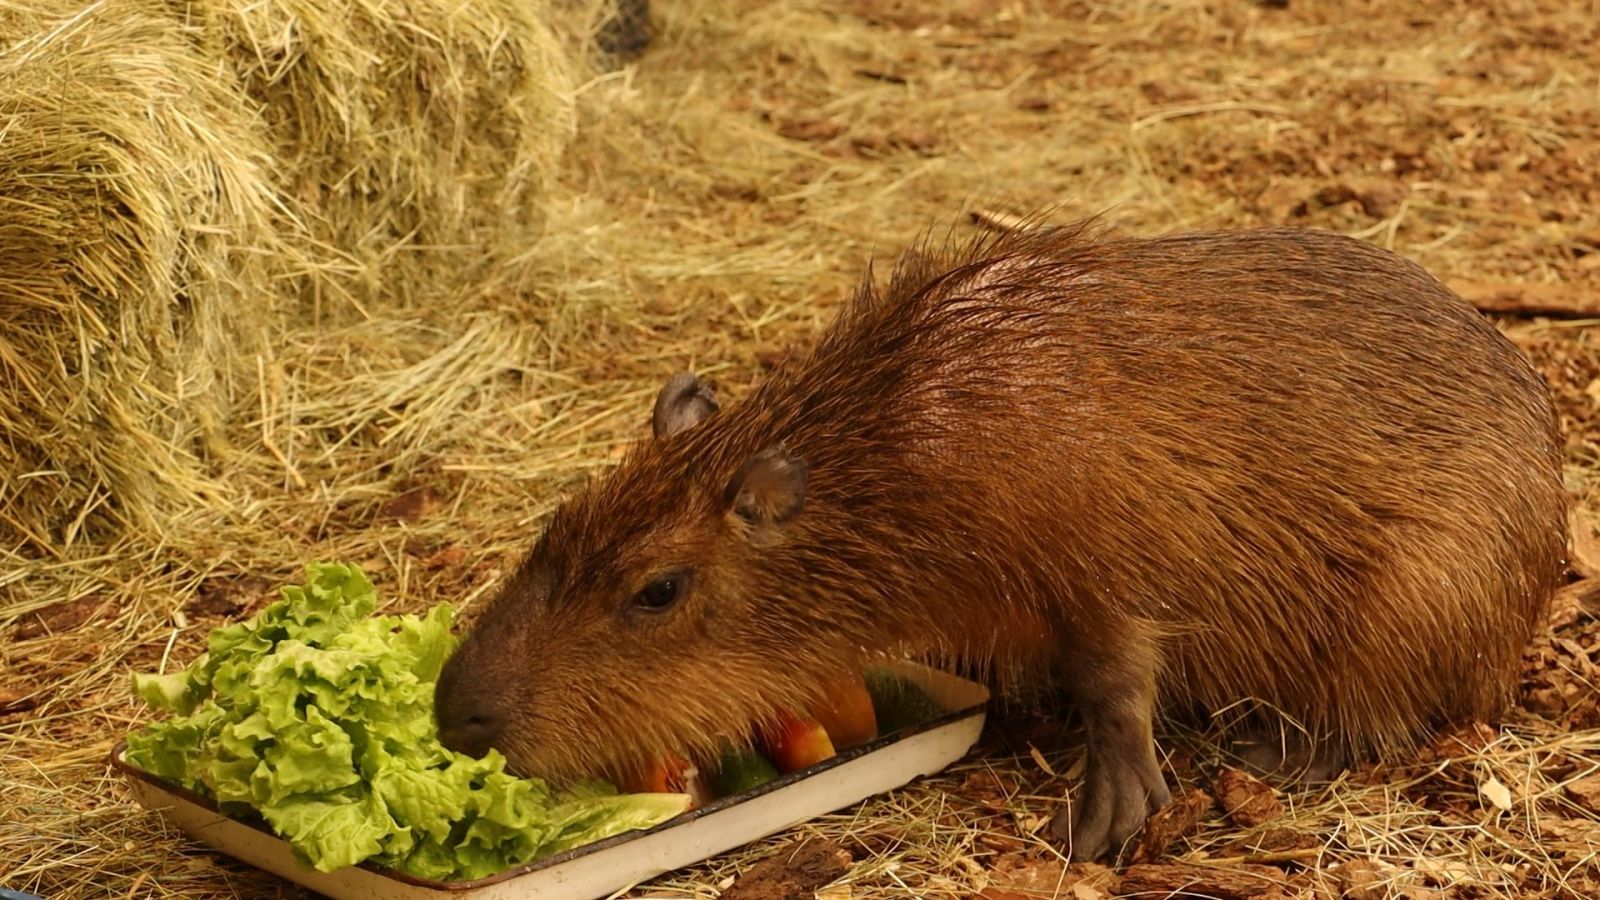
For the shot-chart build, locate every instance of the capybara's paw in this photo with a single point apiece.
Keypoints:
(1116, 798)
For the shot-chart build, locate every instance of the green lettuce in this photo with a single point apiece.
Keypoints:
(317, 716)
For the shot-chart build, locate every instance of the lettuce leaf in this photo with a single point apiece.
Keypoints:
(317, 716)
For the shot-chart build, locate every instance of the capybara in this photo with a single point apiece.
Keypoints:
(1280, 468)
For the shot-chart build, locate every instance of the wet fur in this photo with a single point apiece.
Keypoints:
(1278, 466)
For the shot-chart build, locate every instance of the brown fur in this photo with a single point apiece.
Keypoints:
(1284, 467)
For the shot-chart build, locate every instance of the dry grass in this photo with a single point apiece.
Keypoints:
(181, 176)
(138, 222)
(715, 203)
(416, 138)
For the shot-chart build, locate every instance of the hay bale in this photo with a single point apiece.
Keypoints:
(139, 235)
(417, 137)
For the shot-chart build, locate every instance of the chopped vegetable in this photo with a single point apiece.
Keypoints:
(740, 769)
(794, 742)
(669, 772)
(846, 712)
(899, 702)
(318, 716)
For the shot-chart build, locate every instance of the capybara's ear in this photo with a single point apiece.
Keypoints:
(684, 400)
(766, 492)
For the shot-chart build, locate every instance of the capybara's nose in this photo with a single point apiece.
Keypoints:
(472, 734)
(469, 720)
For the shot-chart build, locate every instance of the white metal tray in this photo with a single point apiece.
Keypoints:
(605, 867)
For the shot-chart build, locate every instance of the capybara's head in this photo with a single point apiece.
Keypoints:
(663, 609)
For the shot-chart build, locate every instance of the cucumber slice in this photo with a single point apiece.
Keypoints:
(739, 769)
(899, 702)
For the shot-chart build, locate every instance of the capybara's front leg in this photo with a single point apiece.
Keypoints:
(1114, 691)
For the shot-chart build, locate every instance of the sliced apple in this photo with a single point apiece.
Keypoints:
(794, 742)
(846, 712)
(668, 774)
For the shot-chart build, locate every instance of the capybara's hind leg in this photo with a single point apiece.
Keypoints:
(1114, 693)
(1290, 757)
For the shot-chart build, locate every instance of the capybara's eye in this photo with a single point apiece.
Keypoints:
(658, 595)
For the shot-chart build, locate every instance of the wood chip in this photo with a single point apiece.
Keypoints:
(449, 557)
(1378, 198)
(1187, 880)
(795, 872)
(1576, 834)
(1585, 545)
(60, 618)
(1365, 879)
(1034, 875)
(1248, 800)
(1028, 874)
(410, 505)
(16, 700)
(1085, 891)
(222, 596)
(1175, 821)
(1586, 793)
(1532, 299)
(1576, 599)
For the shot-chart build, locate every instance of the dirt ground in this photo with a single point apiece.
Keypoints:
(722, 196)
